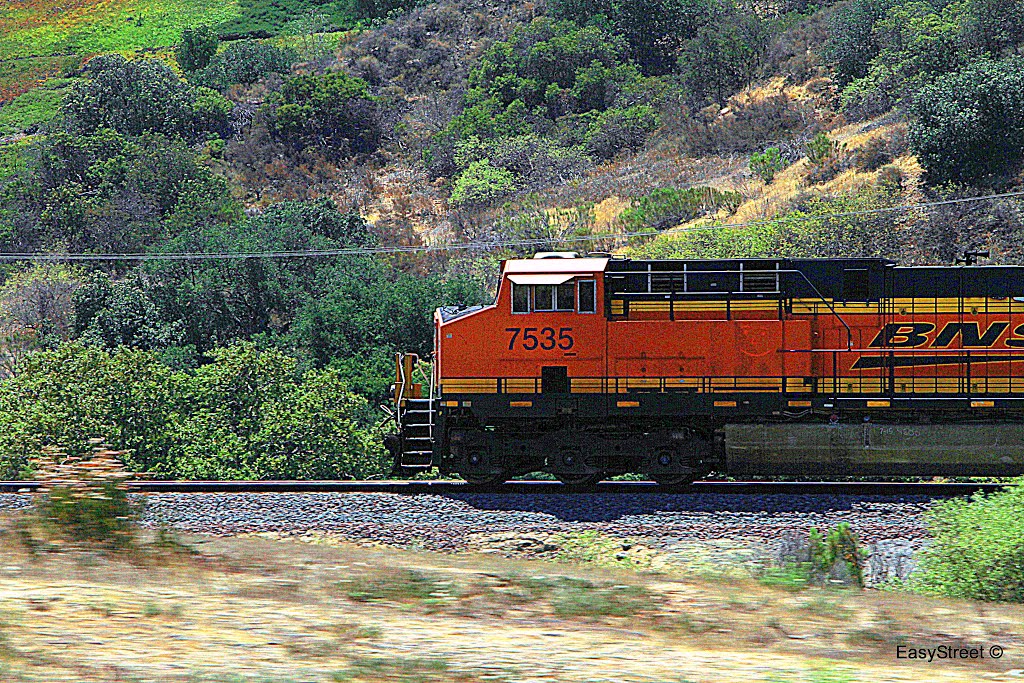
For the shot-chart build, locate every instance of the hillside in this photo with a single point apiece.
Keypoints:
(699, 128)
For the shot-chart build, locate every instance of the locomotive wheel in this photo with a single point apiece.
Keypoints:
(489, 480)
(480, 468)
(578, 481)
(673, 481)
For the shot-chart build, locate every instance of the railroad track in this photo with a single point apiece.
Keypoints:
(547, 487)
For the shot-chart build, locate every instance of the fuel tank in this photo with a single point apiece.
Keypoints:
(875, 449)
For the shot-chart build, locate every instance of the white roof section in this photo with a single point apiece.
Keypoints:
(550, 266)
(541, 278)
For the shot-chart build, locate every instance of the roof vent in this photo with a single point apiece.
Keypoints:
(556, 254)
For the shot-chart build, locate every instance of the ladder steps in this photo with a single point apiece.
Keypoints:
(417, 436)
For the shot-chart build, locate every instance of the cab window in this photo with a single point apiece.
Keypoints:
(588, 296)
(520, 298)
(543, 297)
(563, 297)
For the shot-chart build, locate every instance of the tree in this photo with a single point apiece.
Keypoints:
(219, 302)
(334, 113)
(550, 79)
(365, 311)
(968, 126)
(852, 44)
(196, 49)
(121, 313)
(108, 192)
(767, 163)
(655, 31)
(131, 97)
(482, 183)
(994, 27)
(247, 412)
(67, 396)
(245, 62)
(36, 311)
(723, 57)
(254, 415)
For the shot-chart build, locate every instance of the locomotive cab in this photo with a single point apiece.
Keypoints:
(544, 332)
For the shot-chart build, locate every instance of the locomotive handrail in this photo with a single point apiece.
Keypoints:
(399, 395)
(893, 349)
(729, 293)
(430, 404)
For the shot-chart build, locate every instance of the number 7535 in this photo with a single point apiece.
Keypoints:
(546, 338)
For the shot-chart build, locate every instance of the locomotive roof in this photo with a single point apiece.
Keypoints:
(580, 266)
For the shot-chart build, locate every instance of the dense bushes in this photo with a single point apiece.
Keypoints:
(668, 207)
(245, 62)
(540, 102)
(811, 229)
(136, 97)
(196, 49)
(977, 548)
(334, 113)
(969, 126)
(107, 192)
(654, 30)
(246, 413)
(884, 50)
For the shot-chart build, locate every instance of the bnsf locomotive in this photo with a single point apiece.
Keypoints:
(595, 366)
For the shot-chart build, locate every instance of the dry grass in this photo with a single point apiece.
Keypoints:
(261, 610)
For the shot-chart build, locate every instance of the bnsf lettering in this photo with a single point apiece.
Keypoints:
(1017, 332)
(969, 334)
(903, 335)
(914, 335)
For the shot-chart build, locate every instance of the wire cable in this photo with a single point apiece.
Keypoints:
(478, 245)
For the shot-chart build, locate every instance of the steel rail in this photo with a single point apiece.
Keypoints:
(440, 487)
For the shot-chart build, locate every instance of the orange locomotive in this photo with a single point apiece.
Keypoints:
(595, 366)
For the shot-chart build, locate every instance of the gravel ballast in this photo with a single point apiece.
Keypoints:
(893, 527)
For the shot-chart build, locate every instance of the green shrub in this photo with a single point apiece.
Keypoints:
(766, 164)
(245, 62)
(136, 97)
(198, 45)
(668, 207)
(977, 548)
(968, 126)
(549, 79)
(333, 112)
(821, 148)
(482, 183)
(211, 112)
(245, 414)
(836, 556)
(839, 551)
(617, 129)
(851, 43)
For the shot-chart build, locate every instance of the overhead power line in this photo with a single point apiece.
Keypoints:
(477, 245)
